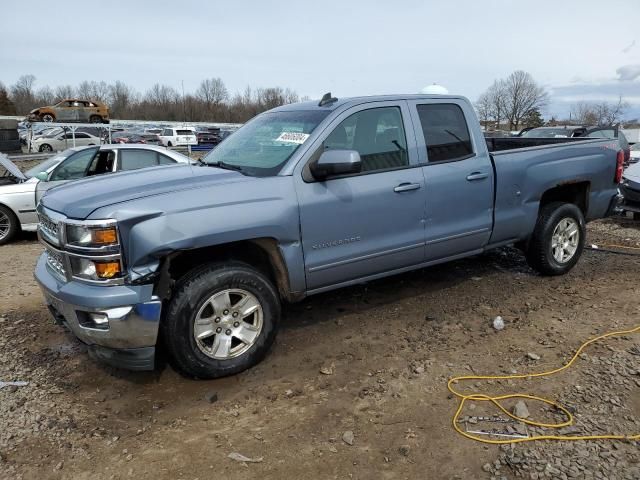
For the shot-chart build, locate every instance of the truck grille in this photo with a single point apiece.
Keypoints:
(48, 227)
(56, 262)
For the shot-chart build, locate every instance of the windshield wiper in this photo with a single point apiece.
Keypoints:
(226, 166)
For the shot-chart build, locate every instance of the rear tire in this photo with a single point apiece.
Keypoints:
(95, 119)
(45, 147)
(9, 225)
(169, 144)
(557, 240)
(209, 300)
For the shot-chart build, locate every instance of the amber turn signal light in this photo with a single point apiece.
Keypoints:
(107, 269)
(104, 236)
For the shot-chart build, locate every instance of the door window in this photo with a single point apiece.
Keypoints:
(445, 132)
(378, 136)
(135, 159)
(74, 167)
(164, 160)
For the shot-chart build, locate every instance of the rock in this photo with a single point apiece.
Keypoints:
(498, 323)
(533, 356)
(129, 457)
(347, 437)
(418, 369)
(487, 467)
(327, 369)
(59, 466)
(238, 457)
(211, 397)
(333, 449)
(404, 450)
(520, 410)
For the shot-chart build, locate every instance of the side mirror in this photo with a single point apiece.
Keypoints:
(42, 176)
(336, 162)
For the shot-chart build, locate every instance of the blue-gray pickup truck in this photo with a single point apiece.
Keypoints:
(304, 199)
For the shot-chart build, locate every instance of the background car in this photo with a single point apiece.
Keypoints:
(59, 142)
(553, 132)
(127, 137)
(20, 192)
(175, 137)
(630, 190)
(208, 135)
(71, 110)
(634, 153)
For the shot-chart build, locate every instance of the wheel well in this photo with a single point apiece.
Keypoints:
(261, 253)
(576, 193)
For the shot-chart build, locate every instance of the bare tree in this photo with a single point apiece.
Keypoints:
(63, 92)
(492, 104)
(22, 93)
(522, 94)
(6, 105)
(601, 114)
(212, 91)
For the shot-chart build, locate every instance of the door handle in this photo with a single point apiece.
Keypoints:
(477, 176)
(406, 187)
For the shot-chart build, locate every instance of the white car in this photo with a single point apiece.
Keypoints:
(178, 137)
(63, 141)
(20, 192)
(635, 153)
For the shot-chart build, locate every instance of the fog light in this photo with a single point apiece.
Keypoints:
(99, 319)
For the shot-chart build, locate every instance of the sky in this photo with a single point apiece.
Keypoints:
(577, 49)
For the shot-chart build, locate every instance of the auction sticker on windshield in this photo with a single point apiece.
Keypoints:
(292, 137)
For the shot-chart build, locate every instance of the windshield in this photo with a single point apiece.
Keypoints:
(263, 145)
(635, 147)
(47, 164)
(548, 133)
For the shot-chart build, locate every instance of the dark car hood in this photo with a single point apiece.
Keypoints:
(78, 199)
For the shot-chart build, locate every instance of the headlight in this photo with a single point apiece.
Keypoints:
(90, 269)
(91, 236)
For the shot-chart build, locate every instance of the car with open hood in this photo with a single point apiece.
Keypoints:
(21, 191)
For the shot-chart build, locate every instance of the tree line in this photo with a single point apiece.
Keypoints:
(515, 102)
(211, 102)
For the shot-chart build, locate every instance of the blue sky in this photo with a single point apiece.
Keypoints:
(577, 49)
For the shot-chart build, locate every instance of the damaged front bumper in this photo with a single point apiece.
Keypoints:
(118, 323)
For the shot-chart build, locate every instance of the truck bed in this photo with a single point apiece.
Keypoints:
(512, 143)
(524, 171)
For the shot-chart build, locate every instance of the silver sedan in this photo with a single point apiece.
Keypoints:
(20, 192)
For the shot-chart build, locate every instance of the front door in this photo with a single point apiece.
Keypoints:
(369, 223)
(74, 167)
(459, 179)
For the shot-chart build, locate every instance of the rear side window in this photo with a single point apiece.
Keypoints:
(164, 160)
(135, 159)
(445, 132)
(167, 132)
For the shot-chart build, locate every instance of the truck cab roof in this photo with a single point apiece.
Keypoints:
(351, 101)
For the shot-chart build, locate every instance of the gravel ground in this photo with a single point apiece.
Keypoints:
(355, 386)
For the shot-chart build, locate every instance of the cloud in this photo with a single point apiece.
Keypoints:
(628, 72)
(629, 47)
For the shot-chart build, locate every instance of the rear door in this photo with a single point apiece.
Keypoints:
(360, 225)
(459, 178)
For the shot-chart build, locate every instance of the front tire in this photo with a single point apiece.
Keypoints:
(47, 117)
(95, 119)
(222, 319)
(45, 147)
(9, 225)
(558, 239)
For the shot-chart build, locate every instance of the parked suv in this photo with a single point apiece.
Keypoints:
(177, 137)
(71, 111)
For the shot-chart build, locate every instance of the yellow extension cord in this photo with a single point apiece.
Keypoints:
(478, 397)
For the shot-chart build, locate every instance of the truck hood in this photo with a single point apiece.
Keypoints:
(80, 198)
(12, 168)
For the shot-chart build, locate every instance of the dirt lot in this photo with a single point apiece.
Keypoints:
(372, 360)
